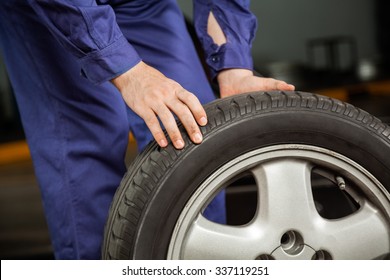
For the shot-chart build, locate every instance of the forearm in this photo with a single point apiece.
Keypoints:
(215, 30)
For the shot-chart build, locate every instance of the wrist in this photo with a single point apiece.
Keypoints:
(122, 80)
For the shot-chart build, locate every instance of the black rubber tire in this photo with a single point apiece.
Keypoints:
(159, 183)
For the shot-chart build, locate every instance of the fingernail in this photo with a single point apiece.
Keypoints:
(179, 144)
(198, 138)
(163, 143)
(203, 121)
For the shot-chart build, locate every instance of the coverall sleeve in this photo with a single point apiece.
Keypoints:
(239, 26)
(90, 32)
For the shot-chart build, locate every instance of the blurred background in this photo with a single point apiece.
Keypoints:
(331, 47)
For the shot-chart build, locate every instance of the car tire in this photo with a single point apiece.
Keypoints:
(157, 210)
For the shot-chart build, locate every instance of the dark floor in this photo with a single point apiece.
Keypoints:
(23, 232)
(23, 229)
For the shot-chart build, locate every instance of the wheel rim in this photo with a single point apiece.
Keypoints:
(287, 224)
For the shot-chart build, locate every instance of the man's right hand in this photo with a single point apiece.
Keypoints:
(153, 96)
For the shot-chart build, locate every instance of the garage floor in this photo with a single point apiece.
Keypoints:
(23, 231)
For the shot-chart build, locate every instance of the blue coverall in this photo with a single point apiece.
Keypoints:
(60, 56)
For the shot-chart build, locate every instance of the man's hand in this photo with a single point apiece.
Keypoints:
(152, 95)
(234, 81)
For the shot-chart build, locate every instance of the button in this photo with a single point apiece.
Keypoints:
(215, 59)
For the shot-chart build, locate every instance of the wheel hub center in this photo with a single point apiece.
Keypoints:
(292, 247)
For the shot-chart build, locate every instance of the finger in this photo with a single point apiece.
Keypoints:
(273, 84)
(281, 85)
(170, 125)
(194, 106)
(155, 128)
(187, 119)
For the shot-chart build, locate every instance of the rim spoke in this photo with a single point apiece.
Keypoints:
(285, 194)
(208, 240)
(362, 235)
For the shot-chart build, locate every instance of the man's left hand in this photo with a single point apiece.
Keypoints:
(234, 81)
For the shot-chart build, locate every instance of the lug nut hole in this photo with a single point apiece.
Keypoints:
(322, 255)
(265, 257)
